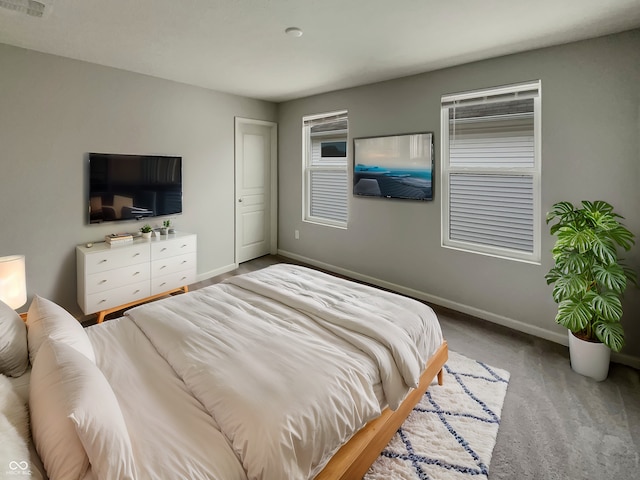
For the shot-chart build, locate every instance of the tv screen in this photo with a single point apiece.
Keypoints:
(130, 187)
(394, 166)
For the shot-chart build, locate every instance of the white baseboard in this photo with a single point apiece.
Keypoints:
(216, 272)
(458, 307)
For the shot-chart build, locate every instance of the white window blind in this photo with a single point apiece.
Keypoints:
(492, 210)
(328, 195)
(491, 171)
(325, 169)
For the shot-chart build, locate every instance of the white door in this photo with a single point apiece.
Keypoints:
(256, 183)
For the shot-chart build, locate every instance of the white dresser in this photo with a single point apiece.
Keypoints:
(113, 277)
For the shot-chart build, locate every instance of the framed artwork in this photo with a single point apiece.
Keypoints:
(394, 166)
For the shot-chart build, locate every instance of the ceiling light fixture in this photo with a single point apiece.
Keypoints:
(29, 7)
(291, 31)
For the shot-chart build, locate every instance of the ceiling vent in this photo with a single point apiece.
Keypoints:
(33, 8)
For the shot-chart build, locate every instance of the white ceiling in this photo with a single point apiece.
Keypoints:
(239, 46)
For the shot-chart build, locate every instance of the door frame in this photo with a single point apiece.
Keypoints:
(273, 176)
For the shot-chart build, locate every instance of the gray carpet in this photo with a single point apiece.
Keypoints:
(555, 423)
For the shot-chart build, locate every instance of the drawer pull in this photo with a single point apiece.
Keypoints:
(163, 266)
(102, 301)
(184, 245)
(163, 283)
(135, 255)
(101, 282)
(136, 291)
(103, 260)
(163, 249)
(136, 273)
(183, 278)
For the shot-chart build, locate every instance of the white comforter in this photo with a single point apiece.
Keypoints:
(285, 360)
(172, 435)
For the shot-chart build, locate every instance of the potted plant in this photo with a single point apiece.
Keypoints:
(146, 231)
(168, 226)
(165, 227)
(589, 281)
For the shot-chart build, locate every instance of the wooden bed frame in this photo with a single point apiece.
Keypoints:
(104, 313)
(355, 457)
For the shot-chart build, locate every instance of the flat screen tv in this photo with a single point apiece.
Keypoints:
(133, 187)
(394, 166)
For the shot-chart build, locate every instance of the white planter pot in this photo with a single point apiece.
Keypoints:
(588, 358)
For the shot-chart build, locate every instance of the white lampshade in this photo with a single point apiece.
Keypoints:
(13, 283)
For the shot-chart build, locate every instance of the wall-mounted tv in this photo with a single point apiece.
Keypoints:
(133, 187)
(394, 166)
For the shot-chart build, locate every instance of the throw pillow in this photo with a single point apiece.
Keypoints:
(47, 319)
(14, 355)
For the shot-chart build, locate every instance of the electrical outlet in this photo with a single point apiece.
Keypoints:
(296, 234)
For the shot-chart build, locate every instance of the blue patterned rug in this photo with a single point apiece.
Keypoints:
(451, 433)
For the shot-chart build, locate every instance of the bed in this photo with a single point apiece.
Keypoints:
(285, 372)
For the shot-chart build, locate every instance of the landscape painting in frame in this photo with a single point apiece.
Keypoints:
(394, 166)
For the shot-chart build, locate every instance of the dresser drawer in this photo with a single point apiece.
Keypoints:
(116, 257)
(174, 246)
(110, 279)
(173, 264)
(117, 296)
(172, 281)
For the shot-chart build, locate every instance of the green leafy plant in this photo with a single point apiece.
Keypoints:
(146, 228)
(589, 279)
(166, 223)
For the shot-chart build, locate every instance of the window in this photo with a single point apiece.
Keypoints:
(491, 171)
(325, 186)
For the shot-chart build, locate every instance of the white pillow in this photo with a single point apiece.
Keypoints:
(100, 425)
(87, 425)
(14, 355)
(54, 433)
(47, 319)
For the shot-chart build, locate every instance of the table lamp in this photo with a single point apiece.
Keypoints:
(13, 284)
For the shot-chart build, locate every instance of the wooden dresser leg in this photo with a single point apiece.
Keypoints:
(441, 376)
(101, 316)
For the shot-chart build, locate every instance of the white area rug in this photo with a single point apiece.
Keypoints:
(451, 433)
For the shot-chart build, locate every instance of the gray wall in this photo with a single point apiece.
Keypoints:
(54, 110)
(590, 150)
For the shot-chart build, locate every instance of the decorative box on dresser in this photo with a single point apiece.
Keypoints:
(111, 278)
